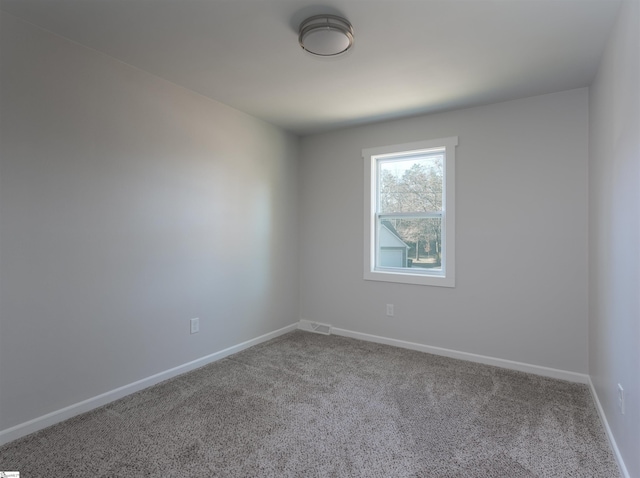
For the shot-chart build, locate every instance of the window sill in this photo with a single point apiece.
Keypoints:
(415, 279)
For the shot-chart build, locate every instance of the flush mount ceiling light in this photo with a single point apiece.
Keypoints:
(326, 35)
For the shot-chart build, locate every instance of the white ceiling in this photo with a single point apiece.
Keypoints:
(410, 56)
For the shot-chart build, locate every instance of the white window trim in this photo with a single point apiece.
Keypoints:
(446, 278)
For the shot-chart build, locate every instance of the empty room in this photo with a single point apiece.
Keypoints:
(285, 238)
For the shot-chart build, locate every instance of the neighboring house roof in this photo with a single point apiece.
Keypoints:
(389, 237)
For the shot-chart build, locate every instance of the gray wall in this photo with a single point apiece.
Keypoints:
(614, 232)
(129, 205)
(521, 219)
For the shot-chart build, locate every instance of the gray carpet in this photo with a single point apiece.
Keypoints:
(308, 405)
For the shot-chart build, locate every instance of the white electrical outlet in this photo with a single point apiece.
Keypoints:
(621, 399)
(195, 325)
(389, 310)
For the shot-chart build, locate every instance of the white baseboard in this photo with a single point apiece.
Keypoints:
(57, 416)
(496, 362)
(607, 429)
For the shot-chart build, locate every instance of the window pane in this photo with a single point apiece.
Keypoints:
(411, 185)
(412, 243)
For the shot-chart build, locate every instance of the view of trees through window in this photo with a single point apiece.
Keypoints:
(411, 189)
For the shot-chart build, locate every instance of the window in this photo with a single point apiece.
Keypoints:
(409, 213)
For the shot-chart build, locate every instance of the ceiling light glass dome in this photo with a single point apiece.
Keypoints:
(326, 35)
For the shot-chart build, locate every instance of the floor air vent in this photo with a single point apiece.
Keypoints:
(321, 329)
(316, 327)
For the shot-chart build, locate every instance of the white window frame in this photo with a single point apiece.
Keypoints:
(443, 278)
